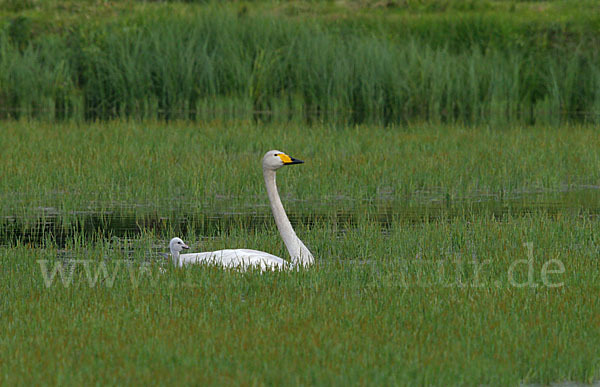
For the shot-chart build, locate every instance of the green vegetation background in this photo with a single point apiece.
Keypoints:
(399, 218)
(344, 62)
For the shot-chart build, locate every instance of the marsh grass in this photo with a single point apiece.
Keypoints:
(418, 280)
(406, 307)
(393, 299)
(155, 169)
(204, 62)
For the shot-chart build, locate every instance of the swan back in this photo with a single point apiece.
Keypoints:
(240, 259)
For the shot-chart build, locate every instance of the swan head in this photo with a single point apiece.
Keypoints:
(176, 245)
(275, 159)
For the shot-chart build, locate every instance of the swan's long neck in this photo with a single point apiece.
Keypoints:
(299, 253)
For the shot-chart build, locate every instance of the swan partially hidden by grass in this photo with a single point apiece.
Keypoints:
(231, 258)
(245, 258)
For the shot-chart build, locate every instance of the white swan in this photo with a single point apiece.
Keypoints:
(236, 259)
(244, 258)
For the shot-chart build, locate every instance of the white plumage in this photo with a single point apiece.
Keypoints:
(242, 259)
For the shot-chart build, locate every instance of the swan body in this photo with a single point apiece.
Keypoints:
(241, 259)
(245, 258)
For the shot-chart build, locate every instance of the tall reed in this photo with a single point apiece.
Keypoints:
(218, 64)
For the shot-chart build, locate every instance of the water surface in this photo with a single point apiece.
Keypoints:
(48, 223)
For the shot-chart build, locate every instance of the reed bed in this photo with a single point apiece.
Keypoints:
(434, 303)
(449, 192)
(159, 169)
(471, 296)
(206, 62)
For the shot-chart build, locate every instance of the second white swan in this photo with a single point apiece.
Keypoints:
(245, 258)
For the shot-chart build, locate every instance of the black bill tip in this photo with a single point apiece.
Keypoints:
(294, 161)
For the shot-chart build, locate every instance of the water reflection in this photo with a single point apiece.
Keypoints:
(123, 222)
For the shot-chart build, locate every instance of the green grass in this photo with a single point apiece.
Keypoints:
(351, 65)
(161, 168)
(398, 302)
(435, 243)
(415, 313)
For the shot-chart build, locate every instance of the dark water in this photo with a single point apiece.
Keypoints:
(50, 224)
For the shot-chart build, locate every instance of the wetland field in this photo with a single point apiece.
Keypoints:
(450, 191)
(444, 255)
